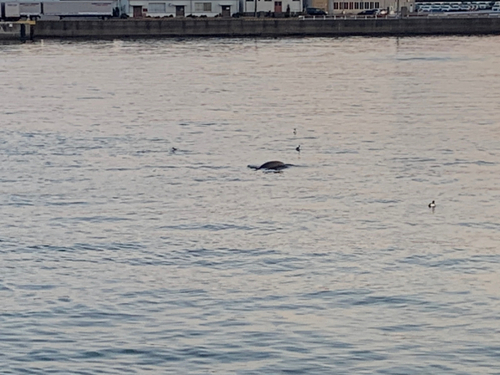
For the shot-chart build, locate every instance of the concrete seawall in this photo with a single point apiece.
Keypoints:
(15, 30)
(186, 27)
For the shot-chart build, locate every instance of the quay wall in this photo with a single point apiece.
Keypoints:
(15, 31)
(237, 27)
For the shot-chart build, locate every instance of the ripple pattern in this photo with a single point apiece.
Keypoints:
(120, 255)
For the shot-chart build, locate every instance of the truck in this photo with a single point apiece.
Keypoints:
(10, 11)
(17, 10)
(61, 9)
(31, 10)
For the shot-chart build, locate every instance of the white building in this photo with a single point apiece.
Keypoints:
(337, 7)
(273, 6)
(358, 6)
(179, 8)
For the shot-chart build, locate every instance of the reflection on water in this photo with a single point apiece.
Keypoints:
(120, 255)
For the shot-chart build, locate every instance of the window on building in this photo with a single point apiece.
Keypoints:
(372, 5)
(367, 5)
(377, 5)
(346, 6)
(356, 5)
(351, 5)
(202, 7)
(157, 8)
(335, 5)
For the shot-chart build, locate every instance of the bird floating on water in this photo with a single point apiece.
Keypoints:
(297, 148)
(174, 149)
(432, 204)
(295, 131)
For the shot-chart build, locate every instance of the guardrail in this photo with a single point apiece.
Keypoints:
(396, 17)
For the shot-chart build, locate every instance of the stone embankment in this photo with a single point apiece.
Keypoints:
(248, 27)
(15, 30)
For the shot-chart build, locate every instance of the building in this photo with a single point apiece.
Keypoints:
(179, 8)
(271, 6)
(353, 7)
(357, 6)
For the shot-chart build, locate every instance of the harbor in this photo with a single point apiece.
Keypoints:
(256, 27)
(20, 30)
(222, 18)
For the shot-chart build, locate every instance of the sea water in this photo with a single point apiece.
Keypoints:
(135, 240)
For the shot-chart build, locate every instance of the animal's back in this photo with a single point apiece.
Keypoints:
(273, 165)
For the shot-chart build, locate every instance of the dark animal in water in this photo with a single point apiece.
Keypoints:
(432, 204)
(297, 148)
(271, 165)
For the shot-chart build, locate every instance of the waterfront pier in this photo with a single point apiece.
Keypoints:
(255, 27)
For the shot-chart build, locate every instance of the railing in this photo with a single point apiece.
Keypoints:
(396, 17)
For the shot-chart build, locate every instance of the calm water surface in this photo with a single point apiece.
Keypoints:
(119, 256)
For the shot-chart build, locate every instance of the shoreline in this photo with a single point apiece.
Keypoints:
(255, 27)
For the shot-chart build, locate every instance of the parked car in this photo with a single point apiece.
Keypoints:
(315, 12)
(426, 8)
(369, 12)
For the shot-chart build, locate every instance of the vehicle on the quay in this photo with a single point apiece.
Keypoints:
(65, 9)
(369, 12)
(13, 11)
(315, 12)
(456, 6)
(425, 8)
(376, 12)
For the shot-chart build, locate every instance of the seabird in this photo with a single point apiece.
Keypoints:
(432, 204)
(297, 148)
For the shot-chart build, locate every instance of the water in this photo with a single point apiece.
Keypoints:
(119, 256)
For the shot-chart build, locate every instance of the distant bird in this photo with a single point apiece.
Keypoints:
(174, 149)
(432, 204)
(297, 148)
(295, 131)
